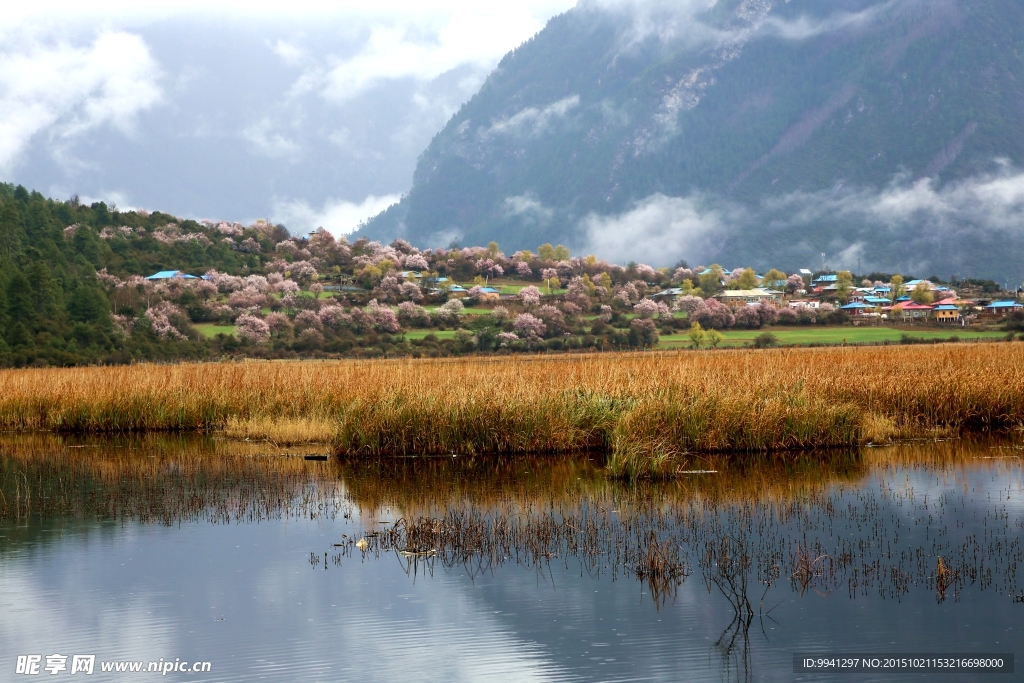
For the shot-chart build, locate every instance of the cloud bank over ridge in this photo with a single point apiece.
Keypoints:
(701, 228)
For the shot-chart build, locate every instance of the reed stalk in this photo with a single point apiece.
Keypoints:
(652, 410)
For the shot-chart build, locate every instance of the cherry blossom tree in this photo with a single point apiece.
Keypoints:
(257, 282)
(646, 272)
(506, 338)
(450, 311)
(645, 308)
(384, 319)
(681, 274)
(278, 322)
(549, 274)
(713, 314)
(530, 296)
(161, 319)
(416, 262)
(334, 317)
(411, 291)
(688, 303)
(411, 315)
(529, 326)
(787, 316)
(248, 298)
(307, 319)
(287, 287)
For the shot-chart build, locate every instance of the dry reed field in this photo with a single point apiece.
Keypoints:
(653, 411)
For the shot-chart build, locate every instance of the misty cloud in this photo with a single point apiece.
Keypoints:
(72, 89)
(880, 228)
(534, 120)
(660, 230)
(528, 207)
(270, 143)
(804, 26)
(338, 217)
(422, 46)
(981, 203)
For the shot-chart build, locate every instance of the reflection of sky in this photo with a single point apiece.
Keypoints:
(142, 592)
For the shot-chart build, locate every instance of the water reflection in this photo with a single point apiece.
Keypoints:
(525, 568)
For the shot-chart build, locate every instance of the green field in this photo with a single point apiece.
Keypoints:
(211, 330)
(832, 335)
(420, 334)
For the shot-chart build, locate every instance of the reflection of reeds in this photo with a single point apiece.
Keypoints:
(167, 479)
(653, 410)
(807, 518)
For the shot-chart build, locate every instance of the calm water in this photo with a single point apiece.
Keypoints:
(516, 570)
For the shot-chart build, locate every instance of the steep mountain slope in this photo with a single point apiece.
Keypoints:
(880, 134)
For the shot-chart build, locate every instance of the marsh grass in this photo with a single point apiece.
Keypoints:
(654, 411)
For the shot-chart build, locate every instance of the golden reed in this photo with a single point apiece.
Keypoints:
(650, 409)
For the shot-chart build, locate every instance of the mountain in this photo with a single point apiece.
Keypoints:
(865, 134)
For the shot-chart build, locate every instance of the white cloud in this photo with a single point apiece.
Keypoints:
(526, 205)
(532, 120)
(111, 199)
(72, 89)
(269, 143)
(661, 229)
(290, 54)
(431, 42)
(874, 222)
(338, 217)
(986, 202)
(804, 27)
(296, 11)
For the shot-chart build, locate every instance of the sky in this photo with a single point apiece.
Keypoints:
(306, 113)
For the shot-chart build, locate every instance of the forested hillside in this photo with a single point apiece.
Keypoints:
(54, 257)
(886, 134)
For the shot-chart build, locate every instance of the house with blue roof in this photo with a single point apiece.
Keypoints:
(1003, 307)
(856, 308)
(945, 312)
(825, 280)
(169, 274)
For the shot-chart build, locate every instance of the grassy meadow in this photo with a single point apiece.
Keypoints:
(803, 336)
(655, 412)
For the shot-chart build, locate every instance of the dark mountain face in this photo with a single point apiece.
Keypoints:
(880, 134)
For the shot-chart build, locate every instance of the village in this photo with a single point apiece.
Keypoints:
(914, 301)
(318, 295)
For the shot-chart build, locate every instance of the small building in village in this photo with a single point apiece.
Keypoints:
(735, 298)
(1001, 308)
(857, 308)
(171, 274)
(945, 312)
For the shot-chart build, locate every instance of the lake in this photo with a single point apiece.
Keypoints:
(271, 566)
